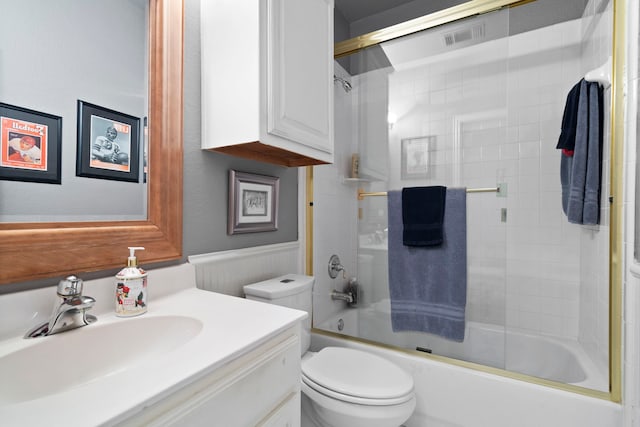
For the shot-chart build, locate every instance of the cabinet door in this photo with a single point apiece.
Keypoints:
(299, 72)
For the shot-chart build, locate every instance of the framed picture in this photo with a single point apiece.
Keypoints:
(253, 203)
(108, 144)
(415, 157)
(30, 145)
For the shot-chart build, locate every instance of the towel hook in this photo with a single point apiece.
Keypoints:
(601, 75)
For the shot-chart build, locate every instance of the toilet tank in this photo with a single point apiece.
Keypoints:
(290, 290)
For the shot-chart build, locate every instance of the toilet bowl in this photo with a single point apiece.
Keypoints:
(348, 387)
(341, 387)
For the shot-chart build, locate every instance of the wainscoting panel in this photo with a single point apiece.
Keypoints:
(227, 272)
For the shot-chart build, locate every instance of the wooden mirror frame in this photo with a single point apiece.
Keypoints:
(31, 251)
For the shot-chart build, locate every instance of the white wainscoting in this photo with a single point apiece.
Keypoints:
(227, 272)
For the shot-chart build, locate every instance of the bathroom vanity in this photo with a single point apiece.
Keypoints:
(195, 358)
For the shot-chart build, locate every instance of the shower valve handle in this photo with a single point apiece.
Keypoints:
(335, 267)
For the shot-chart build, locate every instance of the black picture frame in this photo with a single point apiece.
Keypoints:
(253, 203)
(30, 145)
(415, 157)
(108, 144)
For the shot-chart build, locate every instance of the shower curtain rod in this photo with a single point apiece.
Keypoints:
(499, 189)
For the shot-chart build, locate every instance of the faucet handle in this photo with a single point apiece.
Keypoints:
(70, 286)
(335, 267)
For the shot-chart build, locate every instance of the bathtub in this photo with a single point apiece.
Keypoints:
(455, 396)
(544, 357)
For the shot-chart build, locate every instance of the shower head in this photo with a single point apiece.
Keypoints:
(345, 84)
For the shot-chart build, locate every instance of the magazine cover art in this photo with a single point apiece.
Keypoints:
(111, 144)
(23, 144)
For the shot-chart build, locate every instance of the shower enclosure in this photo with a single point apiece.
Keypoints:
(475, 103)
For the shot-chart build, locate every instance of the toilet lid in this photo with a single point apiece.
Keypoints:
(357, 373)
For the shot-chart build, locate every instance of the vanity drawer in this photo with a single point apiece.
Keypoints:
(259, 388)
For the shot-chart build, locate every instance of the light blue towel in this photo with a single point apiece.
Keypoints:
(584, 170)
(428, 285)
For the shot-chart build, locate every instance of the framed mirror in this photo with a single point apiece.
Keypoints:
(31, 251)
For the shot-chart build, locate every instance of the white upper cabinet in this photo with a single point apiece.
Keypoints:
(267, 79)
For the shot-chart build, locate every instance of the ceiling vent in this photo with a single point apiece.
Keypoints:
(474, 33)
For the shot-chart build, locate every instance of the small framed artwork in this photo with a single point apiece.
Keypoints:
(30, 145)
(108, 144)
(415, 157)
(253, 203)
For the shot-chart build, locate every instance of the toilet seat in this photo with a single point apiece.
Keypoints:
(357, 377)
(355, 399)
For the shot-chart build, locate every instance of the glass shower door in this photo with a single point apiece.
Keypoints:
(475, 103)
(445, 123)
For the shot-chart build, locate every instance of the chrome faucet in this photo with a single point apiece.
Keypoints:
(69, 311)
(342, 296)
(350, 294)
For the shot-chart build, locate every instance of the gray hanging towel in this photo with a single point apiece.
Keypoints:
(583, 205)
(591, 209)
(428, 285)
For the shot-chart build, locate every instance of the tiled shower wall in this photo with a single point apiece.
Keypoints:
(335, 208)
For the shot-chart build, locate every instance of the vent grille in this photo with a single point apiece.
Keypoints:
(466, 34)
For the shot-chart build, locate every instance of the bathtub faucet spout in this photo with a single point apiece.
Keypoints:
(350, 294)
(342, 296)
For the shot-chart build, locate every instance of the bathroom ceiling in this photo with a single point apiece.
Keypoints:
(383, 13)
(357, 17)
(363, 16)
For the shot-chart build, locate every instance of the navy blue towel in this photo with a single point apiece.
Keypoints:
(567, 137)
(422, 215)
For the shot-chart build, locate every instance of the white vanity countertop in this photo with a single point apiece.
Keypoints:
(231, 327)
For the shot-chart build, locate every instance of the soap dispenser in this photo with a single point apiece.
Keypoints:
(131, 287)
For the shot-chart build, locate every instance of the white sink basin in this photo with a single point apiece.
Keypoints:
(63, 361)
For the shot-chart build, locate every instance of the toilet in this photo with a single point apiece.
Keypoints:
(341, 387)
